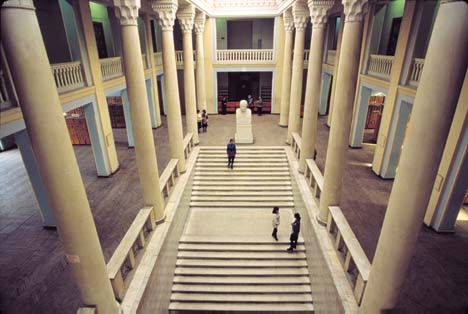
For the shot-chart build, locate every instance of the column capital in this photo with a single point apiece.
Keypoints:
(354, 10)
(166, 12)
(127, 11)
(288, 21)
(318, 11)
(19, 4)
(300, 13)
(199, 24)
(186, 16)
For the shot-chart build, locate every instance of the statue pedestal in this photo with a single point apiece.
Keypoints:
(244, 134)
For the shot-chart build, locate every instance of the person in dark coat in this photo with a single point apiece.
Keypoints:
(296, 227)
(231, 153)
(224, 105)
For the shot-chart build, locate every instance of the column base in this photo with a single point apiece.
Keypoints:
(320, 221)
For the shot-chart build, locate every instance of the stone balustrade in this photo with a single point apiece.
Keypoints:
(380, 66)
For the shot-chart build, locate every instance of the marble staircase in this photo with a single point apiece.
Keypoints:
(227, 260)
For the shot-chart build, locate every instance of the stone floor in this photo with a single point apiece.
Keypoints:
(34, 276)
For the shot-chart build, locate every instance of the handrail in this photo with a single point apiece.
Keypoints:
(167, 178)
(123, 260)
(296, 144)
(68, 76)
(245, 56)
(380, 65)
(331, 56)
(315, 177)
(352, 256)
(188, 144)
(111, 68)
(416, 71)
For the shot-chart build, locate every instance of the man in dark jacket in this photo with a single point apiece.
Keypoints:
(296, 227)
(231, 152)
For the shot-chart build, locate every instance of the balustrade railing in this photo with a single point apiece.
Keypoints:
(306, 55)
(68, 76)
(331, 56)
(111, 68)
(145, 61)
(245, 56)
(157, 57)
(179, 55)
(380, 66)
(3, 90)
(416, 71)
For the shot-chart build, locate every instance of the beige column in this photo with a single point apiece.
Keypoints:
(287, 64)
(154, 79)
(344, 100)
(166, 10)
(300, 13)
(186, 17)
(440, 83)
(127, 12)
(42, 112)
(318, 16)
(201, 88)
(96, 77)
(335, 72)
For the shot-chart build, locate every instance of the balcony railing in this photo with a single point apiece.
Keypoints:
(306, 56)
(380, 66)
(416, 71)
(245, 56)
(331, 56)
(68, 76)
(111, 68)
(157, 58)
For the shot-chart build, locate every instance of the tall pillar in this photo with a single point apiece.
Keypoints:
(42, 112)
(440, 83)
(107, 144)
(287, 64)
(318, 16)
(166, 10)
(200, 19)
(343, 108)
(186, 17)
(154, 80)
(300, 13)
(147, 163)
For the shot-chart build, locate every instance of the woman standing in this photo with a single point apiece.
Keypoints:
(275, 222)
(296, 227)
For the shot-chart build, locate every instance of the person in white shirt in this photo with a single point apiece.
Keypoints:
(275, 222)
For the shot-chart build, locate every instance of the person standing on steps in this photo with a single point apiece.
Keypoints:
(250, 102)
(199, 120)
(231, 153)
(204, 120)
(275, 222)
(259, 106)
(224, 105)
(296, 227)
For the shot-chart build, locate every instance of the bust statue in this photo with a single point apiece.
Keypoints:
(243, 114)
(244, 124)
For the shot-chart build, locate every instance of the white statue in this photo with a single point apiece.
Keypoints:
(243, 123)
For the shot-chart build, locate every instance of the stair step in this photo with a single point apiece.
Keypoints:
(242, 204)
(252, 255)
(241, 169)
(244, 247)
(246, 308)
(260, 289)
(287, 280)
(247, 272)
(233, 176)
(240, 174)
(242, 193)
(220, 240)
(244, 298)
(218, 263)
(214, 159)
(240, 188)
(245, 183)
(243, 198)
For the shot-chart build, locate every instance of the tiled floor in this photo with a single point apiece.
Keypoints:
(34, 277)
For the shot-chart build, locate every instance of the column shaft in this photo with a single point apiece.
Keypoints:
(189, 87)
(42, 112)
(174, 120)
(312, 96)
(141, 123)
(200, 71)
(440, 83)
(296, 83)
(342, 115)
(287, 65)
